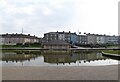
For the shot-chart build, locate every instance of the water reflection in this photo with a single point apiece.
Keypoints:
(41, 58)
(73, 57)
(19, 56)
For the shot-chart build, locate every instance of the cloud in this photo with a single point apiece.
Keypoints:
(46, 15)
(46, 11)
(10, 8)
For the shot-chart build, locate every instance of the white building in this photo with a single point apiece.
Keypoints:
(101, 39)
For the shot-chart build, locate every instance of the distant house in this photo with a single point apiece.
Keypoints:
(112, 39)
(82, 39)
(91, 39)
(13, 39)
(56, 44)
(101, 39)
(65, 36)
(118, 39)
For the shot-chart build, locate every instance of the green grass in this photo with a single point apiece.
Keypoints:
(16, 46)
(112, 51)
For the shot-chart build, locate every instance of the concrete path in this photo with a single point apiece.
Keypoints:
(60, 73)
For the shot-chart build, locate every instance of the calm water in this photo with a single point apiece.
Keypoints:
(37, 58)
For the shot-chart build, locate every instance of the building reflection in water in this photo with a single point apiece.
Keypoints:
(73, 57)
(19, 56)
(52, 58)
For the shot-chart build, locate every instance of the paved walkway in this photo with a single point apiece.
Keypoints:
(60, 73)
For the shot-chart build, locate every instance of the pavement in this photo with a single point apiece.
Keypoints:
(109, 72)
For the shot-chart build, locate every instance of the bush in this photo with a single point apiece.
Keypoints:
(19, 44)
(32, 45)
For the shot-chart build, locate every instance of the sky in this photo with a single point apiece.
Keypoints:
(37, 17)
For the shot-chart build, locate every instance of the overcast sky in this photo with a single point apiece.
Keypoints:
(37, 17)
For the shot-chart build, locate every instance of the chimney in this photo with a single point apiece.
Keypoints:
(84, 32)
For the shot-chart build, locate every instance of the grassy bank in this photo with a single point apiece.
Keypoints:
(28, 45)
(112, 51)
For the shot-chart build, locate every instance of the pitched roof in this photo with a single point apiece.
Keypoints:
(56, 42)
(60, 33)
(17, 36)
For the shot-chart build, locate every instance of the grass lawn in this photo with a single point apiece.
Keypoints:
(15, 46)
(112, 51)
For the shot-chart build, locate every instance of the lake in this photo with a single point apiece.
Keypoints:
(41, 58)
